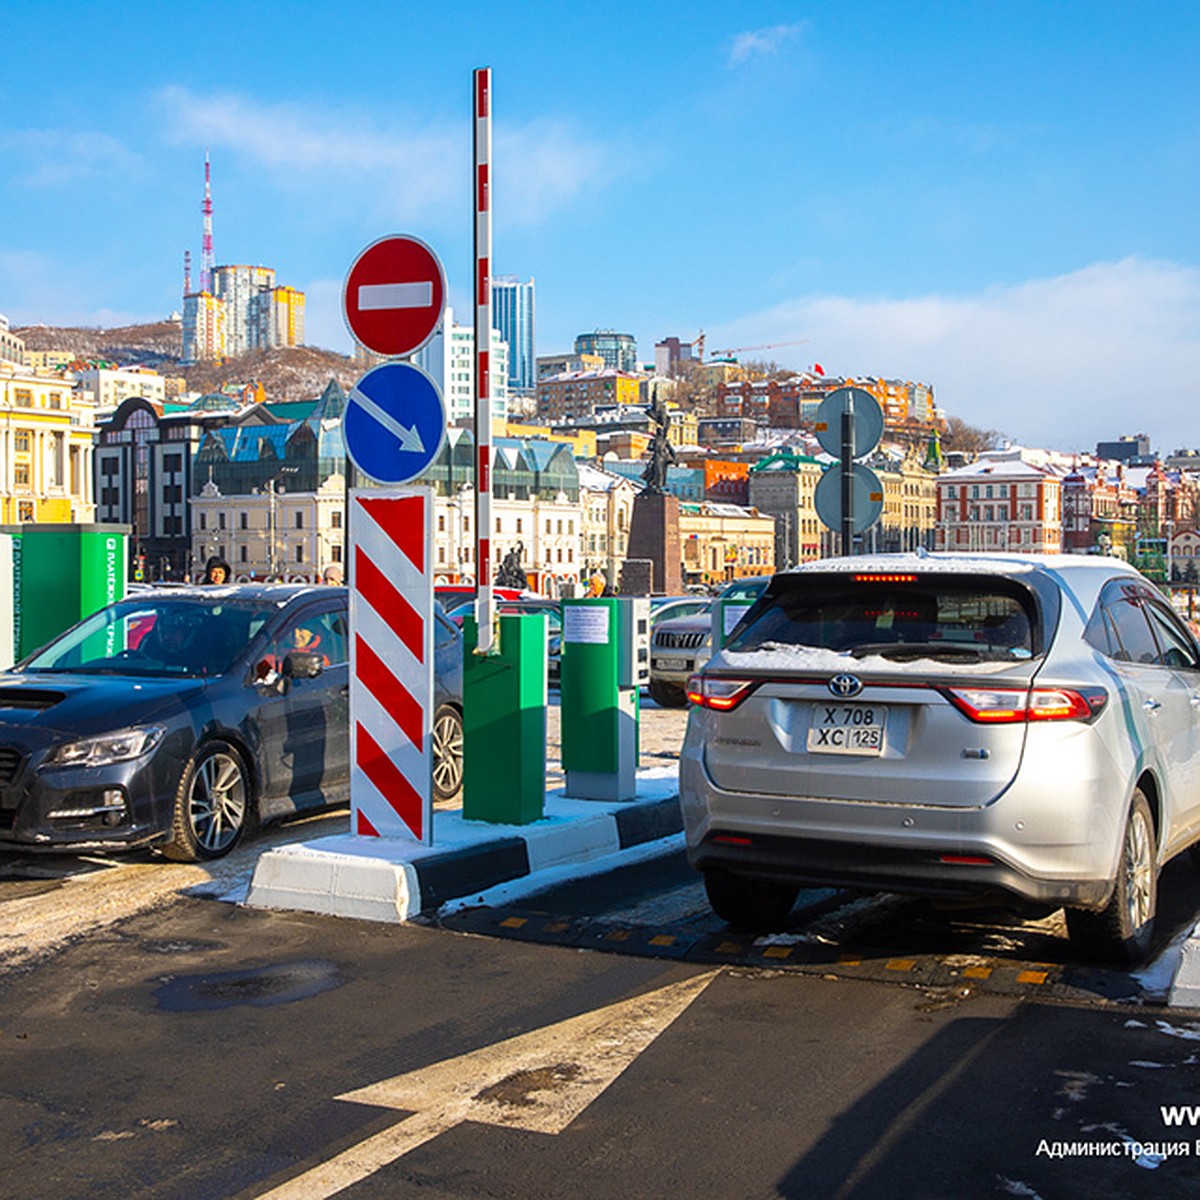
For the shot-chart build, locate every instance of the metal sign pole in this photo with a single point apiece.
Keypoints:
(481, 190)
(848, 476)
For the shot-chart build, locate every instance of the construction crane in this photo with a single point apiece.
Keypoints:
(766, 346)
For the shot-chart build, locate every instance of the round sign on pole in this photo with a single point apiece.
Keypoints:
(868, 498)
(394, 296)
(395, 423)
(868, 421)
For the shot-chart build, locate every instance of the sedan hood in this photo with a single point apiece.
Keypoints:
(78, 705)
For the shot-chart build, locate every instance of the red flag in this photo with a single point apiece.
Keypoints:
(820, 370)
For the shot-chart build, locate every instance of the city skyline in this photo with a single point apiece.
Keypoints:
(994, 201)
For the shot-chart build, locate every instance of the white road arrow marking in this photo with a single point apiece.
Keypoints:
(539, 1081)
(375, 296)
(410, 439)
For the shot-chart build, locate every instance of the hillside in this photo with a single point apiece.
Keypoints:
(286, 374)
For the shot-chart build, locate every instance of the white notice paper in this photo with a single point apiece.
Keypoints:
(733, 614)
(582, 623)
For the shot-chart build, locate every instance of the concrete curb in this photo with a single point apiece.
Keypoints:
(381, 879)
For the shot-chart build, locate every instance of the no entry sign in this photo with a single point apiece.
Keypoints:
(394, 296)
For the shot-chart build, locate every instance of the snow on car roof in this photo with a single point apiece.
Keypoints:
(961, 564)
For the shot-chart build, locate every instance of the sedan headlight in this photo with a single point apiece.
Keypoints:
(107, 749)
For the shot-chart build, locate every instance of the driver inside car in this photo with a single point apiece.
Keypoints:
(302, 638)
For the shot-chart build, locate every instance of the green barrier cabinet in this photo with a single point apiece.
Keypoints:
(504, 723)
(8, 609)
(61, 574)
(605, 659)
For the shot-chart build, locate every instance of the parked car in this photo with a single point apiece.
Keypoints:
(447, 728)
(681, 645)
(180, 718)
(978, 727)
(460, 598)
(667, 608)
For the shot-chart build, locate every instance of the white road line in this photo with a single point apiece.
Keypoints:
(538, 1081)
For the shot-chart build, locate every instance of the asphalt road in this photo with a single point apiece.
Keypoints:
(199, 1051)
(605, 1038)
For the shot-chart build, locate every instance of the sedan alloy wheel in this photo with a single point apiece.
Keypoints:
(447, 753)
(211, 806)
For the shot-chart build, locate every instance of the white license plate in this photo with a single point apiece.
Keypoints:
(847, 729)
(672, 664)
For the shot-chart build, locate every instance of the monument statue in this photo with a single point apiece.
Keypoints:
(511, 573)
(662, 453)
(654, 540)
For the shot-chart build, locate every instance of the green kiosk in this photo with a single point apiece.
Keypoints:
(504, 722)
(605, 660)
(61, 574)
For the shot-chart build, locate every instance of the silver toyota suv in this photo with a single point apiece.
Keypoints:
(987, 726)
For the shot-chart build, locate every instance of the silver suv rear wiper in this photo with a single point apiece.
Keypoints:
(906, 651)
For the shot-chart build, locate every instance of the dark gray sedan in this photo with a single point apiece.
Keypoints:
(181, 718)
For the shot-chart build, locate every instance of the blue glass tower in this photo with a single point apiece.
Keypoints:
(512, 316)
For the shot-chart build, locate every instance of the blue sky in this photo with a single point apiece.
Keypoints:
(998, 199)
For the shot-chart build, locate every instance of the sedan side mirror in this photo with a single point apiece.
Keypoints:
(299, 665)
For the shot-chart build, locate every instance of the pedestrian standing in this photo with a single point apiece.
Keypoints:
(217, 570)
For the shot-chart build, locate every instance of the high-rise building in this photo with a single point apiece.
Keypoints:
(670, 354)
(619, 350)
(449, 358)
(277, 318)
(203, 328)
(513, 316)
(238, 287)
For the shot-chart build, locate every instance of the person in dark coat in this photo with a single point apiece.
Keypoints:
(217, 571)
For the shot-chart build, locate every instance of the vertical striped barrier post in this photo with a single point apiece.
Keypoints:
(391, 664)
(481, 190)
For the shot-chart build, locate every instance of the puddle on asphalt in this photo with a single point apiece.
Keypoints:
(179, 946)
(259, 987)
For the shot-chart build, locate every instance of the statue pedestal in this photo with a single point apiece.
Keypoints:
(654, 535)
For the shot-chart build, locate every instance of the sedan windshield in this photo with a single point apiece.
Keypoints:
(903, 619)
(152, 637)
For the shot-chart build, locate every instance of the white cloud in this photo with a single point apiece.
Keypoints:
(50, 158)
(759, 43)
(1062, 362)
(555, 167)
(391, 172)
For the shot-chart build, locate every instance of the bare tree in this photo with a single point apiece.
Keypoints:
(969, 439)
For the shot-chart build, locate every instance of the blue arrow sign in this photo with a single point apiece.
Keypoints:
(395, 423)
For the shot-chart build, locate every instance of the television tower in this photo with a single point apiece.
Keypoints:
(206, 247)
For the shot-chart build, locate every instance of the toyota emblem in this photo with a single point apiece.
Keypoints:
(845, 686)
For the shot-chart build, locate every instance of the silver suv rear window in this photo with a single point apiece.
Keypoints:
(973, 617)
